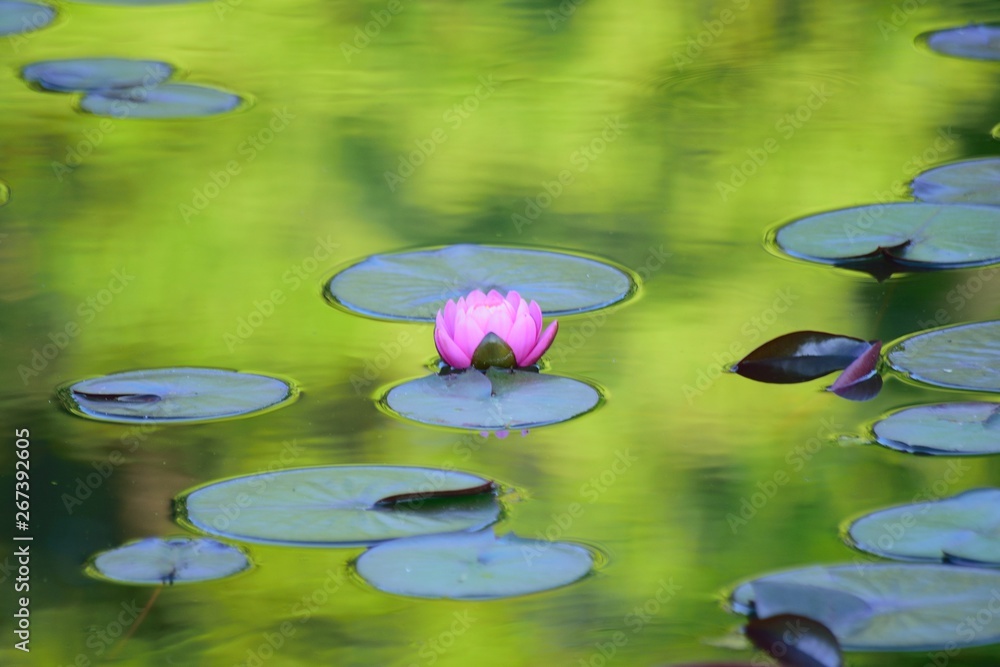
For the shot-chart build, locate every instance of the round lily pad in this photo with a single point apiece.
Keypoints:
(962, 529)
(90, 74)
(966, 182)
(498, 399)
(177, 560)
(168, 100)
(472, 566)
(966, 356)
(414, 285)
(18, 17)
(175, 395)
(976, 41)
(924, 236)
(881, 606)
(336, 505)
(953, 429)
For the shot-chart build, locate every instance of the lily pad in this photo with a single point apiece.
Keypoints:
(168, 100)
(90, 74)
(177, 560)
(881, 607)
(497, 400)
(18, 17)
(976, 41)
(963, 529)
(966, 182)
(952, 429)
(336, 505)
(412, 286)
(966, 356)
(902, 237)
(472, 566)
(175, 395)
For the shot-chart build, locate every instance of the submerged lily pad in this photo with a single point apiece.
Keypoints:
(177, 560)
(175, 395)
(881, 607)
(966, 356)
(496, 400)
(976, 41)
(336, 505)
(472, 566)
(414, 285)
(168, 100)
(902, 237)
(968, 428)
(91, 74)
(18, 17)
(966, 182)
(963, 529)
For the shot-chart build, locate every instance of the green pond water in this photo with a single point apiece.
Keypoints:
(665, 136)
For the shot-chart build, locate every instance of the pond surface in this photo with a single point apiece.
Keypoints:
(667, 138)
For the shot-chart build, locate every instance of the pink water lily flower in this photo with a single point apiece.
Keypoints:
(484, 330)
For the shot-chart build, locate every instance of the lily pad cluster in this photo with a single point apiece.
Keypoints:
(126, 88)
(949, 547)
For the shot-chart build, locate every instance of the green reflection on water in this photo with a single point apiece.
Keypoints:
(206, 242)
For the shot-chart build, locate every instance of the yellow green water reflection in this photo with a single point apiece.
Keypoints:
(594, 127)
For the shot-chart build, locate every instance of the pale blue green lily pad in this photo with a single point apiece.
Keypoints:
(969, 428)
(335, 505)
(473, 566)
(966, 356)
(965, 182)
(176, 560)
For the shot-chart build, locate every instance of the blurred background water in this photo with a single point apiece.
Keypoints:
(665, 136)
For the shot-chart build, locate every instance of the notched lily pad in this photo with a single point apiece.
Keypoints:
(175, 395)
(159, 561)
(963, 529)
(412, 286)
(339, 505)
(82, 75)
(965, 356)
(880, 606)
(165, 101)
(976, 41)
(882, 239)
(18, 17)
(970, 428)
(472, 566)
(965, 182)
(497, 400)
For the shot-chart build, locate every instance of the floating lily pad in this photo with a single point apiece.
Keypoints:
(336, 505)
(977, 41)
(168, 100)
(881, 607)
(886, 238)
(91, 74)
(174, 395)
(496, 400)
(966, 356)
(952, 429)
(963, 529)
(178, 560)
(414, 285)
(18, 17)
(966, 182)
(472, 566)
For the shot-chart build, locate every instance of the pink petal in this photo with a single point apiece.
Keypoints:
(499, 322)
(468, 333)
(544, 341)
(494, 298)
(449, 351)
(514, 299)
(475, 298)
(536, 314)
(523, 313)
(449, 316)
(522, 339)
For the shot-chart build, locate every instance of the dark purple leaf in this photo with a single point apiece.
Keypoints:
(860, 381)
(120, 398)
(800, 356)
(795, 641)
(416, 498)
